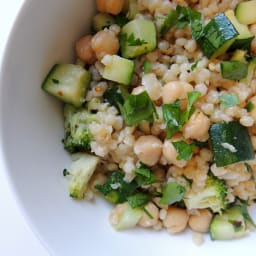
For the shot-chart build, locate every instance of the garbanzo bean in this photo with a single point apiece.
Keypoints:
(84, 49)
(148, 149)
(201, 222)
(105, 42)
(147, 221)
(110, 6)
(175, 90)
(197, 127)
(176, 220)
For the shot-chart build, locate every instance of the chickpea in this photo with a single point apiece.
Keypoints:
(175, 90)
(176, 220)
(147, 221)
(105, 42)
(84, 49)
(110, 6)
(197, 127)
(148, 149)
(170, 153)
(201, 222)
(253, 112)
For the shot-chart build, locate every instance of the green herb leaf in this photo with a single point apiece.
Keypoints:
(138, 200)
(184, 150)
(131, 40)
(172, 193)
(170, 21)
(145, 176)
(183, 19)
(115, 189)
(137, 108)
(55, 81)
(147, 66)
(114, 97)
(247, 216)
(228, 100)
(192, 98)
(248, 168)
(194, 65)
(121, 20)
(250, 107)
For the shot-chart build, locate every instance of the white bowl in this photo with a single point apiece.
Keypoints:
(31, 129)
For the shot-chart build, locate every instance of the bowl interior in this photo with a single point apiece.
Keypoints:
(31, 133)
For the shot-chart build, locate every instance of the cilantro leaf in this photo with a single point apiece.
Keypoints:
(228, 100)
(137, 108)
(138, 200)
(250, 107)
(172, 193)
(131, 40)
(115, 189)
(184, 150)
(145, 176)
(147, 66)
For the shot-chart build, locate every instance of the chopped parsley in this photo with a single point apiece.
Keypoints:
(173, 115)
(144, 176)
(194, 65)
(113, 96)
(228, 100)
(172, 193)
(147, 66)
(131, 40)
(137, 108)
(138, 200)
(250, 107)
(184, 150)
(170, 21)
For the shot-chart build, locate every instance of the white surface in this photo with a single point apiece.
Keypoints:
(16, 238)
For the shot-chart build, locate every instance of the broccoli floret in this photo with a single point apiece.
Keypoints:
(80, 172)
(77, 134)
(212, 196)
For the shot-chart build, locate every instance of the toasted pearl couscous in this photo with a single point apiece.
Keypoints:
(160, 114)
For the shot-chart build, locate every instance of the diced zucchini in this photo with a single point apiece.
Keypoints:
(244, 39)
(231, 143)
(131, 8)
(125, 217)
(118, 69)
(137, 37)
(228, 225)
(233, 70)
(80, 172)
(102, 20)
(67, 82)
(251, 71)
(218, 35)
(246, 12)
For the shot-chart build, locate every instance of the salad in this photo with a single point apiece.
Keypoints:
(160, 117)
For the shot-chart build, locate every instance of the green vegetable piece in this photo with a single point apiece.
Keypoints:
(138, 200)
(68, 83)
(192, 98)
(121, 20)
(102, 20)
(233, 70)
(251, 71)
(212, 196)
(228, 225)
(217, 36)
(114, 97)
(115, 189)
(170, 21)
(228, 100)
(184, 150)
(147, 66)
(231, 143)
(137, 37)
(245, 12)
(250, 107)
(137, 108)
(172, 193)
(80, 172)
(144, 176)
(126, 216)
(118, 69)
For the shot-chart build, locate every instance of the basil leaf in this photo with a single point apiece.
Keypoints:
(114, 97)
(172, 193)
(115, 189)
(228, 100)
(145, 176)
(137, 108)
(184, 150)
(147, 66)
(138, 200)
